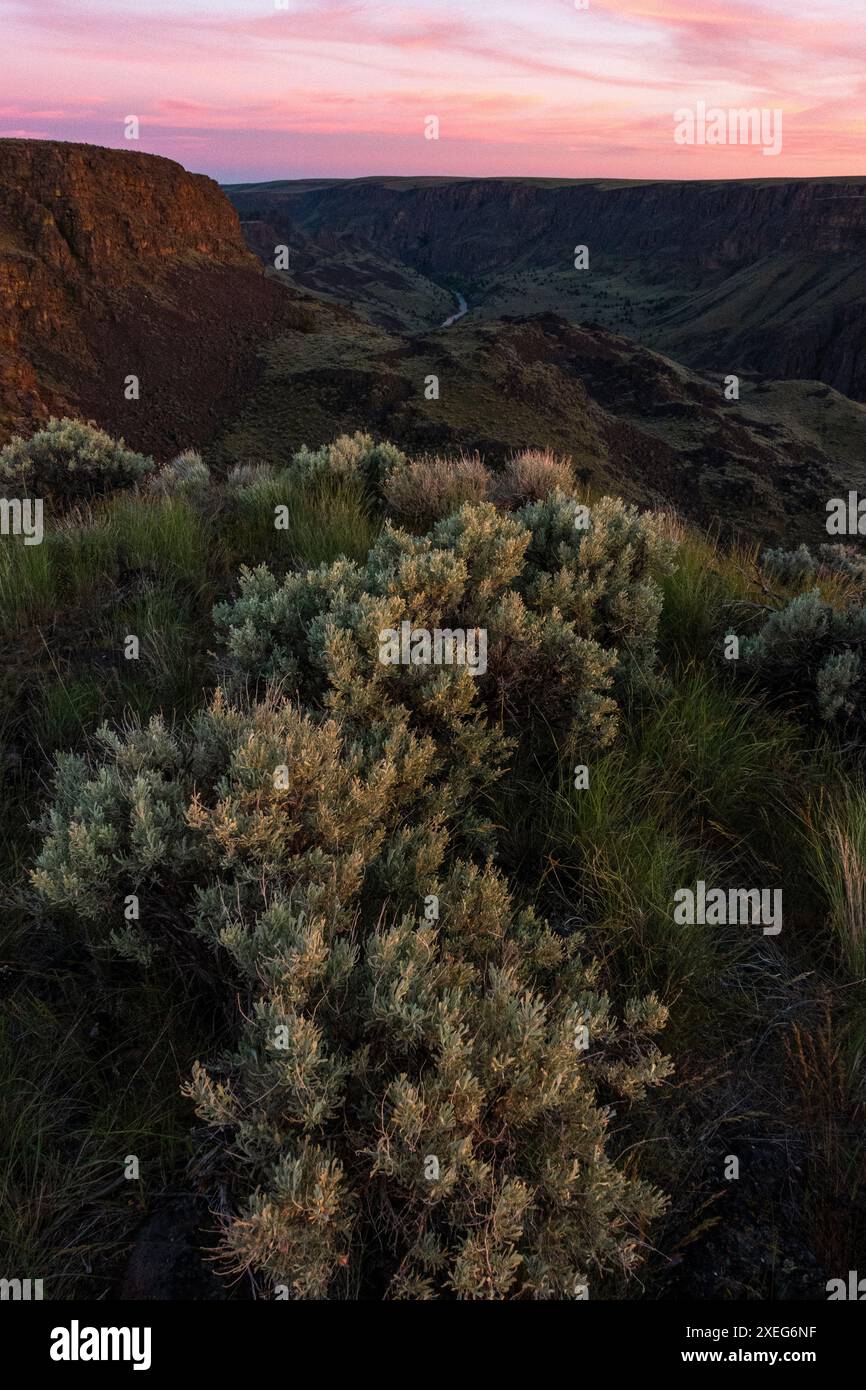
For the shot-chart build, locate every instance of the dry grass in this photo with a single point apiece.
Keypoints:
(530, 477)
(428, 489)
(837, 835)
(431, 488)
(826, 1112)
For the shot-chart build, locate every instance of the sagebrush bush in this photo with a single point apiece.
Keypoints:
(349, 456)
(801, 566)
(425, 490)
(69, 461)
(408, 1111)
(600, 567)
(410, 1108)
(560, 608)
(809, 653)
(187, 474)
(531, 476)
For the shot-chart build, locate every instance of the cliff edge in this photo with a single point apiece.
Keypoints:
(115, 264)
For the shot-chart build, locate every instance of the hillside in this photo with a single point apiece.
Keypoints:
(633, 420)
(115, 264)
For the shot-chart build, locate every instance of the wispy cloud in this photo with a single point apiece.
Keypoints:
(343, 86)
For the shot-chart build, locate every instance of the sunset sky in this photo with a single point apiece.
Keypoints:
(253, 89)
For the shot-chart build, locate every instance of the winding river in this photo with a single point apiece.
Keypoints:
(462, 308)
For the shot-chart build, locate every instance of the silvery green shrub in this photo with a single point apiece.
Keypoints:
(408, 1109)
(801, 566)
(69, 461)
(185, 475)
(809, 653)
(349, 456)
(599, 567)
(789, 565)
(406, 1112)
(563, 608)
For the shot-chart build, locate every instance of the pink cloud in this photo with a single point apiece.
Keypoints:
(342, 87)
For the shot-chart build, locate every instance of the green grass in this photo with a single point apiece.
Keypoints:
(323, 520)
(701, 783)
(28, 581)
(90, 547)
(73, 1104)
(709, 748)
(172, 670)
(167, 536)
(64, 711)
(707, 590)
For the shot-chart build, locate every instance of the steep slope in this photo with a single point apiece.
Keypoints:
(762, 275)
(335, 268)
(115, 264)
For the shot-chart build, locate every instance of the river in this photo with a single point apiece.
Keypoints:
(462, 308)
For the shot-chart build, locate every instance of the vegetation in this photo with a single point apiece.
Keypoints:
(423, 491)
(69, 461)
(188, 473)
(810, 652)
(402, 934)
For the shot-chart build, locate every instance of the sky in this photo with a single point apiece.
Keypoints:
(267, 89)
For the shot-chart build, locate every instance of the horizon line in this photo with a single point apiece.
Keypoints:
(436, 178)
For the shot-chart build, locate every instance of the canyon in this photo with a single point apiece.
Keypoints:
(115, 263)
(763, 275)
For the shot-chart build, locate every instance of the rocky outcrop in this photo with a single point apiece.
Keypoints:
(116, 264)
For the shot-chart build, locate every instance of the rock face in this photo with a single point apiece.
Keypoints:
(117, 264)
(765, 275)
(474, 225)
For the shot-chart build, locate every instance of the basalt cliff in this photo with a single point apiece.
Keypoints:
(114, 265)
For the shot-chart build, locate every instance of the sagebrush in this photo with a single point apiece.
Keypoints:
(416, 1105)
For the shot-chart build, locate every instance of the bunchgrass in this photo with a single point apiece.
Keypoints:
(836, 839)
(318, 522)
(28, 582)
(84, 1084)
